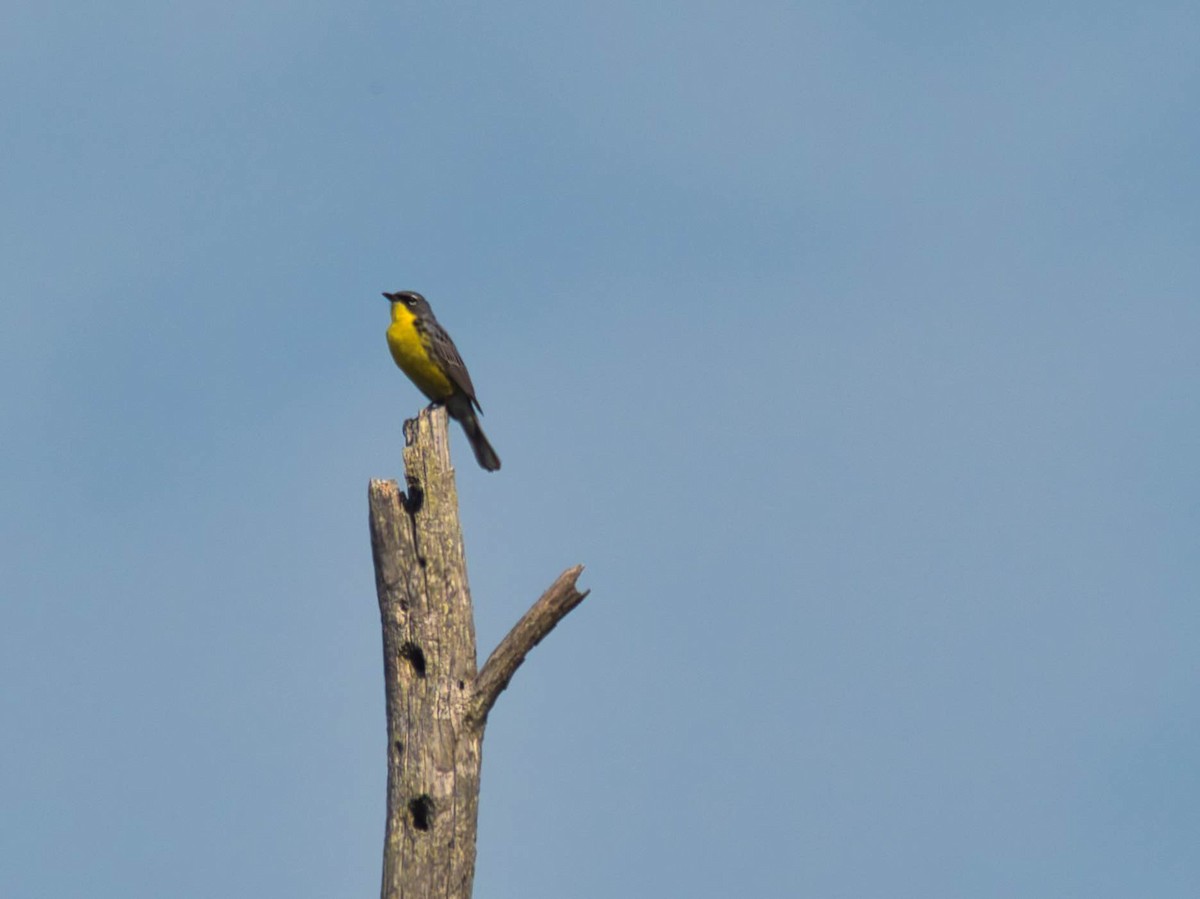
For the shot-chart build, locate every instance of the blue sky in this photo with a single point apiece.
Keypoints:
(851, 346)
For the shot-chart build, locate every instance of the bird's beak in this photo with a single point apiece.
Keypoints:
(390, 296)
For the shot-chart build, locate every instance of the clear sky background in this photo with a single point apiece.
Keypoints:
(851, 346)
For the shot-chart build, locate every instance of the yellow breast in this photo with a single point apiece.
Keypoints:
(409, 350)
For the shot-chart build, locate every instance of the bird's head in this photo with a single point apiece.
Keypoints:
(409, 298)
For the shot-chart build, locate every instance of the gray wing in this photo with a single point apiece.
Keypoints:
(451, 361)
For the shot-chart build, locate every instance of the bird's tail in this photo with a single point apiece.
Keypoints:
(484, 454)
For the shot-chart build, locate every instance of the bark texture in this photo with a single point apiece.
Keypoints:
(437, 705)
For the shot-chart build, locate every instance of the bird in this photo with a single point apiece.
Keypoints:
(424, 351)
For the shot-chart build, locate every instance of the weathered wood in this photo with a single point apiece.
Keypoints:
(552, 606)
(429, 667)
(437, 706)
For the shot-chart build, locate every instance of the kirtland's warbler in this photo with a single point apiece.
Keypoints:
(425, 352)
